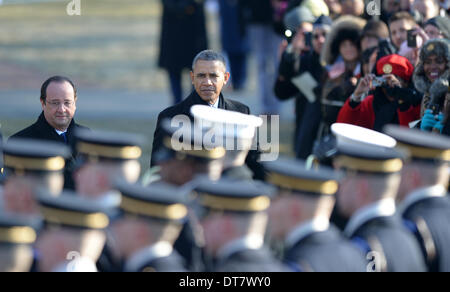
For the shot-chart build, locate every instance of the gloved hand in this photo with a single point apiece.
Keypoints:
(428, 121)
(440, 123)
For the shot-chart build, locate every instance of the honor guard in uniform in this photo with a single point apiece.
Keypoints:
(17, 235)
(181, 159)
(350, 134)
(234, 219)
(423, 199)
(31, 165)
(235, 132)
(185, 154)
(150, 221)
(74, 233)
(367, 196)
(300, 214)
(103, 157)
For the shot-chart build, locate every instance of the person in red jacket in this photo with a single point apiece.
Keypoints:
(388, 98)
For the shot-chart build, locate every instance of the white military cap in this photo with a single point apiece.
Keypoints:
(351, 134)
(233, 124)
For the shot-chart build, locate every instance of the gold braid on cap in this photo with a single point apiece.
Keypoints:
(329, 187)
(47, 164)
(426, 153)
(138, 207)
(256, 204)
(77, 219)
(373, 166)
(115, 152)
(215, 153)
(18, 235)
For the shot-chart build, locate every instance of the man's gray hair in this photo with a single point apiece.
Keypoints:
(209, 55)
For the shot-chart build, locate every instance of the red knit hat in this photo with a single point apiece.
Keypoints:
(396, 65)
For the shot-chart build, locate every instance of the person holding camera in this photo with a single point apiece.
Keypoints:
(299, 76)
(431, 78)
(393, 100)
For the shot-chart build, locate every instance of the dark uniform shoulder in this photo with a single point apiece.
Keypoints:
(428, 220)
(171, 263)
(326, 251)
(258, 260)
(393, 244)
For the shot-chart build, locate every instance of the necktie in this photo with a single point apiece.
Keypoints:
(64, 136)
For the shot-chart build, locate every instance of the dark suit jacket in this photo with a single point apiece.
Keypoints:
(184, 108)
(41, 130)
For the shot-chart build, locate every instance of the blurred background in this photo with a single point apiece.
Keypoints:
(111, 53)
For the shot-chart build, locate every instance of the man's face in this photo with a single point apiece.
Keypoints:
(208, 78)
(318, 39)
(60, 105)
(399, 31)
(346, 198)
(92, 181)
(214, 231)
(279, 221)
(177, 172)
(18, 195)
(433, 32)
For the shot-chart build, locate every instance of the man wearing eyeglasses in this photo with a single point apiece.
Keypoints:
(56, 123)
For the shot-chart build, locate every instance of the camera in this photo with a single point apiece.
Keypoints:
(308, 39)
(378, 82)
(289, 34)
(412, 38)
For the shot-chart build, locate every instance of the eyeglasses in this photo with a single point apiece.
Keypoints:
(57, 104)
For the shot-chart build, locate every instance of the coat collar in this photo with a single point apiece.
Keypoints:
(302, 231)
(249, 242)
(195, 99)
(43, 121)
(140, 258)
(383, 208)
(436, 191)
(47, 129)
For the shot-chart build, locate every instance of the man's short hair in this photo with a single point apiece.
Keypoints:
(376, 29)
(56, 79)
(209, 55)
(401, 16)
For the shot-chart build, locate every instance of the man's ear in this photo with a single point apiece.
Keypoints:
(42, 103)
(192, 76)
(227, 77)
